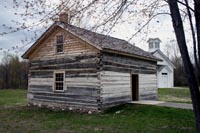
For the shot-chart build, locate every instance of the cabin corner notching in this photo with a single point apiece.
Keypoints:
(87, 70)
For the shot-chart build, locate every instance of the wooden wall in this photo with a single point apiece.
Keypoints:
(82, 84)
(125, 64)
(77, 95)
(147, 87)
(116, 79)
(116, 88)
(72, 47)
(80, 63)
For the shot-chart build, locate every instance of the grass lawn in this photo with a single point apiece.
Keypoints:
(13, 97)
(132, 118)
(181, 95)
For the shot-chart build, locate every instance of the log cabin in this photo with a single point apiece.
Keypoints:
(77, 69)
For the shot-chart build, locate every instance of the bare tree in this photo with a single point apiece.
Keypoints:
(13, 73)
(171, 49)
(194, 39)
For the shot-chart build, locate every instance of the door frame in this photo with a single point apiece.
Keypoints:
(135, 92)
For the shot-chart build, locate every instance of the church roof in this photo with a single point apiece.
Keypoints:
(154, 39)
(164, 56)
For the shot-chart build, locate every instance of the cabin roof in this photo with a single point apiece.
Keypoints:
(100, 41)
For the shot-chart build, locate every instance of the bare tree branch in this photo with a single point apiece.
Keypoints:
(193, 37)
(139, 30)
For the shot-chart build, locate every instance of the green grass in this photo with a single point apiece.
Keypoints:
(132, 118)
(181, 95)
(13, 97)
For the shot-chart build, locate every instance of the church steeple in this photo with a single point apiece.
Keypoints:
(154, 44)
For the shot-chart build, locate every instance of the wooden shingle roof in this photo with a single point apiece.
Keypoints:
(102, 42)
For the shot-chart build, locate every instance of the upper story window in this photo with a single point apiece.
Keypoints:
(59, 43)
(156, 44)
(150, 45)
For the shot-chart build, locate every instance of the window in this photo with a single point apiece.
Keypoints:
(150, 45)
(59, 81)
(164, 73)
(59, 43)
(156, 45)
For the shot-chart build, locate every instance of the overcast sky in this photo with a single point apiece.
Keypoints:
(12, 42)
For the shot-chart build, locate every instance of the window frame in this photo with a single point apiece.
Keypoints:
(59, 44)
(54, 84)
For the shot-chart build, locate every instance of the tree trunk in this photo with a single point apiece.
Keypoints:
(180, 36)
(194, 41)
(197, 19)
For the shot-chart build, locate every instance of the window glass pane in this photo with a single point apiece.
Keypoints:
(156, 45)
(59, 76)
(150, 45)
(59, 86)
(59, 48)
(59, 39)
(164, 73)
(59, 43)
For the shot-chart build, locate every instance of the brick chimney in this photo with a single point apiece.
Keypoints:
(64, 17)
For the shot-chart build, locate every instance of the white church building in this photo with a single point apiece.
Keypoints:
(165, 68)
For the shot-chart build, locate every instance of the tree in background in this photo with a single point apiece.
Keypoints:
(13, 73)
(173, 53)
(179, 73)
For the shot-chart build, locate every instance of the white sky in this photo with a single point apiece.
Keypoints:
(12, 42)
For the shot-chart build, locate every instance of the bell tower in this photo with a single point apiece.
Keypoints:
(154, 44)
